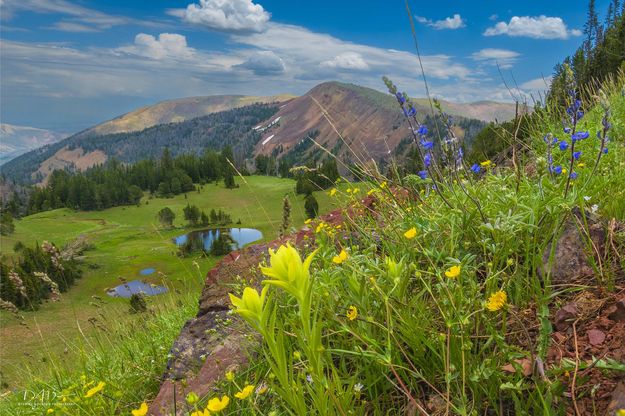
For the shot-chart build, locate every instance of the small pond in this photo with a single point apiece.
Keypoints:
(136, 286)
(147, 271)
(239, 236)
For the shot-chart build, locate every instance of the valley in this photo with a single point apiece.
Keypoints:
(127, 240)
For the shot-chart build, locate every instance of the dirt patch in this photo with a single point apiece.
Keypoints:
(75, 159)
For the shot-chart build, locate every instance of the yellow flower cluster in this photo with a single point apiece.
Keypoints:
(453, 272)
(496, 301)
(411, 233)
(352, 313)
(341, 257)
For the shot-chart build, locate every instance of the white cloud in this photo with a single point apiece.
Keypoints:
(73, 27)
(541, 84)
(493, 17)
(454, 22)
(346, 60)
(167, 46)
(263, 63)
(502, 57)
(537, 27)
(225, 15)
(80, 19)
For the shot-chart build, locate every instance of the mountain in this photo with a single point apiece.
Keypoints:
(17, 140)
(177, 110)
(369, 122)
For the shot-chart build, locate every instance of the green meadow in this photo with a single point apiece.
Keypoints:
(126, 240)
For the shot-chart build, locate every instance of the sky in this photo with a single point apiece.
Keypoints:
(69, 64)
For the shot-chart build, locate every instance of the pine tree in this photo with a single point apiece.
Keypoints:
(311, 206)
(286, 216)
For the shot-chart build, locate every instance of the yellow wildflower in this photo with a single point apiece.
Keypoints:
(204, 412)
(370, 191)
(453, 272)
(229, 375)
(192, 398)
(342, 256)
(287, 270)
(496, 301)
(356, 190)
(250, 305)
(581, 164)
(333, 191)
(308, 221)
(486, 164)
(383, 185)
(411, 233)
(96, 389)
(141, 411)
(245, 393)
(352, 313)
(217, 405)
(320, 227)
(620, 412)
(49, 411)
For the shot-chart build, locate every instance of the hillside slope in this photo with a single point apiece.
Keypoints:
(177, 110)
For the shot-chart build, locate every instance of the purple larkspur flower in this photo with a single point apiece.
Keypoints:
(563, 145)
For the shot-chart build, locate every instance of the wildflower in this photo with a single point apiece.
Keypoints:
(576, 155)
(486, 164)
(204, 412)
(427, 145)
(411, 233)
(49, 411)
(620, 412)
(192, 398)
(383, 185)
(594, 208)
(370, 192)
(510, 261)
(288, 271)
(333, 191)
(245, 392)
(262, 389)
(358, 387)
(141, 411)
(563, 145)
(297, 355)
(453, 272)
(250, 305)
(342, 256)
(557, 170)
(581, 164)
(422, 131)
(423, 174)
(309, 379)
(308, 221)
(496, 301)
(229, 375)
(217, 405)
(95, 390)
(427, 159)
(573, 175)
(476, 168)
(352, 313)
(320, 227)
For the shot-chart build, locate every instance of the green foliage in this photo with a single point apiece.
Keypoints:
(138, 303)
(192, 215)
(222, 244)
(311, 206)
(6, 222)
(166, 217)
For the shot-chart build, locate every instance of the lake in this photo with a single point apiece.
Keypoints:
(136, 286)
(240, 237)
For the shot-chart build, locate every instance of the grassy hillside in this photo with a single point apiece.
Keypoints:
(127, 240)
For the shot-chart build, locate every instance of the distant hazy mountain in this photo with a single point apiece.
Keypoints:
(370, 122)
(17, 140)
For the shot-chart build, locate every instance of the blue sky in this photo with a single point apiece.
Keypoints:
(69, 64)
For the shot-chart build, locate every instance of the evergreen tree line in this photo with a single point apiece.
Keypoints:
(36, 274)
(601, 54)
(114, 183)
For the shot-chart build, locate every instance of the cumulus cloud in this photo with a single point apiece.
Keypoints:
(454, 22)
(536, 27)
(263, 63)
(346, 60)
(167, 46)
(503, 57)
(225, 15)
(540, 84)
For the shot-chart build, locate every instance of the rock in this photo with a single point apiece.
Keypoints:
(596, 337)
(569, 263)
(618, 400)
(564, 318)
(617, 311)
